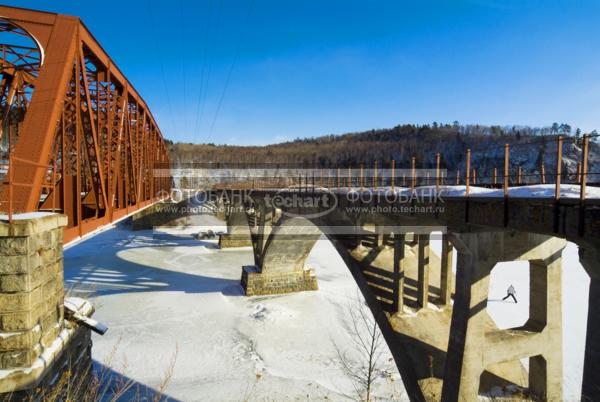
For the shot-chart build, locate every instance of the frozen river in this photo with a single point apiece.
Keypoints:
(168, 297)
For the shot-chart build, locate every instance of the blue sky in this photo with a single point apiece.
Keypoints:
(262, 71)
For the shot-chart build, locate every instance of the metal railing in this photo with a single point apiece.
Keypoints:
(337, 178)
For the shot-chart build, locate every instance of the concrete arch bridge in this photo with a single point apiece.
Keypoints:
(444, 343)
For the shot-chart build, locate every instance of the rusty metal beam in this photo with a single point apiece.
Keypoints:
(82, 118)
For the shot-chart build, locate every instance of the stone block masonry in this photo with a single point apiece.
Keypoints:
(232, 241)
(31, 288)
(257, 283)
(33, 331)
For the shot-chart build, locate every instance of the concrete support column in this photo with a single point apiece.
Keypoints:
(265, 219)
(474, 347)
(221, 209)
(423, 271)
(464, 363)
(379, 232)
(238, 230)
(590, 259)
(446, 271)
(399, 262)
(545, 316)
(280, 253)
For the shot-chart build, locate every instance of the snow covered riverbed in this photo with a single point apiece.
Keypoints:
(162, 292)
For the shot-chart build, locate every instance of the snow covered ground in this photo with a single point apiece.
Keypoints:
(162, 292)
(158, 293)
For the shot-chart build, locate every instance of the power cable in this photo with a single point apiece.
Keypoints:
(235, 57)
(161, 62)
(204, 64)
(209, 68)
(183, 59)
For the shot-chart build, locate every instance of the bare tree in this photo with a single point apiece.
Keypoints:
(368, 344)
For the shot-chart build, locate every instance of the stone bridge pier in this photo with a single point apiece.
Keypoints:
(281, 246)
(238, 231)
(38, 343)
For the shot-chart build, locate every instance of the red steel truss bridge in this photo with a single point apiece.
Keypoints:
(75, 135)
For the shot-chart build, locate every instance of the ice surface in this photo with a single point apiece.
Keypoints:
(163, 289)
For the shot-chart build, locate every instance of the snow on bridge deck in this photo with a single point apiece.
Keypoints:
(530, 191)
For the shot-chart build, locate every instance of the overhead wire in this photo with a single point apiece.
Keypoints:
(158, 55)
(204, 43)
(235, 57)
(183, 61)
(209, 68)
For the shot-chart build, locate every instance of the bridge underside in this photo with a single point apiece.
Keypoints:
(444, 342)
(75, 136)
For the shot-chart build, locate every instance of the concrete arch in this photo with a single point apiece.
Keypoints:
(282, 269)
(289, 244)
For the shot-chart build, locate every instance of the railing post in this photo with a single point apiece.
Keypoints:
(468, 172)
(413, 183)
(582, 189)
(375, 175)
(495, 176)
(349, 177)
(393, 173)
(474, 176)
(361, 179)
(505, 185)
(558, 167)
(338, 179)
(437, 173)
(520, 175)
(457, 177)
(578, 172)
(542, 174)
(506, 160)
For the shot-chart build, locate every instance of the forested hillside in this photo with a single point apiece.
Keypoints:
(529, 148)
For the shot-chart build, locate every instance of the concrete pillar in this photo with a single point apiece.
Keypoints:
(399, 261)
(446, 271)
(221, 209)
(238, 231)
(423, 271)
(280, 253)
(545, 317)
(464, 363)
(473, 347)
(265, 220)
(379, 232)
(590, 391)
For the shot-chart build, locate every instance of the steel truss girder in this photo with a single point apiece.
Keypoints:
(87, 123)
